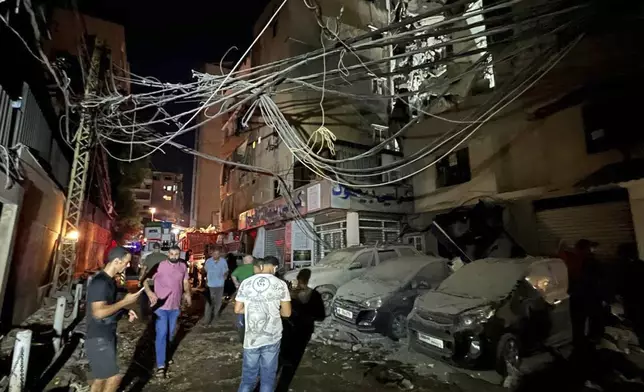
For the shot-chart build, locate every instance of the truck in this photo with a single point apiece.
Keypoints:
(198, 243)
(159, 232)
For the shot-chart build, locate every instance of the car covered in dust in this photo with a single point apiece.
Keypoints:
(493, 312)
(382, 298)
(343, 265)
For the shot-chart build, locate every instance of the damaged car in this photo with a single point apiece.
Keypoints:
(493, 312)
(340, 266)
(382, 298)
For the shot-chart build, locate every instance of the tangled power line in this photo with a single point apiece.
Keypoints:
(486, 37)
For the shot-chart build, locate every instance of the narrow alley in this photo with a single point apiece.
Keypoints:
(210, 359)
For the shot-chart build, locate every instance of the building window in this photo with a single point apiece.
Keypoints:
(146, 207)
(381, 133)
(416, 241)
(167, 197)
(454, 169)
(301, 175)
(156, 177)
(276, 189)
(169, 188)
(167, 178)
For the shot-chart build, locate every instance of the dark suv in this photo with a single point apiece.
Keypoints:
(493, 312)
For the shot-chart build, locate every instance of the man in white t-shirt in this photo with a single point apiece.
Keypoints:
(263, 299)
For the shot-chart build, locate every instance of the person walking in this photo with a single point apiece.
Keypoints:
(307, 308)
(171, 283)
(263, 299)
(148, 267)
(216, 269)
(102, 316)
(241, 273)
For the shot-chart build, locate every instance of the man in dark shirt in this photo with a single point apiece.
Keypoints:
(103, 313)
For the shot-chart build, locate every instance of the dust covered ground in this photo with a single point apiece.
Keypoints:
(210, 359)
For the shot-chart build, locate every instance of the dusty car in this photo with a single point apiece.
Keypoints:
(492, 312)
(342, 265)
(382, 298)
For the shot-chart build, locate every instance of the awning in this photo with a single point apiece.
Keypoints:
(614, 174)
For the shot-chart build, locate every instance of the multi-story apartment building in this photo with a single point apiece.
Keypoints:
(341, 216)
(217, 138)
(32, 206)
(166, 197)
(562, 159)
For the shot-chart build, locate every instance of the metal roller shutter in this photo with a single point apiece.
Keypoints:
(374, 231)
(275, 244)
(610, 224)
(334, 234)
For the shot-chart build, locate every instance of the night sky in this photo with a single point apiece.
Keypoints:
(167, 39)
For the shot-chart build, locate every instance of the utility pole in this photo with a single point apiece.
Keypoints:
(66, 252)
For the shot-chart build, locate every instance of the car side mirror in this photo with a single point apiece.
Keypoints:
(423, 285)
(355, 266)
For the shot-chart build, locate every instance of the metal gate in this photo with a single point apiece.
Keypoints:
(333, 234)
(610, 224)
(374, 231)
(275, 244)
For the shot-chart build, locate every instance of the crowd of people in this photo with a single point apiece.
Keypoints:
(275, 319)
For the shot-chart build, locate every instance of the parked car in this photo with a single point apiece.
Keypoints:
(343, 265)
(382, 298)
(492, 312)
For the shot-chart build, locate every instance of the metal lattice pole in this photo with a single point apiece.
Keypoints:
(66, 254)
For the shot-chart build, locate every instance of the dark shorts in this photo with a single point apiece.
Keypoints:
(101, 354)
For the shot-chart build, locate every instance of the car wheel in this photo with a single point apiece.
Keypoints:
(398, 326)
(508, 354)
(327, 293)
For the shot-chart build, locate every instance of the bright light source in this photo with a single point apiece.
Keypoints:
(372, 27)
(72, 235)
(175, 231)
(153, 210)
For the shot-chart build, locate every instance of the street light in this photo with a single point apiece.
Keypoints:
(153, 211)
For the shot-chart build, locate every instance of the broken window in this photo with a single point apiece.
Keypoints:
(454, 169)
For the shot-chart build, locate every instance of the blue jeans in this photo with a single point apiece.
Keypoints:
(260, 362)
(166, 325)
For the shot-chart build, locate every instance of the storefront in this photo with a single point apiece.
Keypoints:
(604, 217)
(328, 217)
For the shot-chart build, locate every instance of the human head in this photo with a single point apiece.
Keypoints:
(628, 252)
(215, 253)
(118, 259)
(156, 247)
(248, 259)
(586, 247)
(303, 276)
(267, 265)
(173, 254)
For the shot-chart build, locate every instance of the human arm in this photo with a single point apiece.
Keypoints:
(142, 271)
(240, 298)
(239, 307)
(148, 291)
(187, 290)
(285, 301)
(97, 297)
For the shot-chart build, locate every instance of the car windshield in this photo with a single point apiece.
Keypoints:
(488, 278)
(396, 272)
(338, 258)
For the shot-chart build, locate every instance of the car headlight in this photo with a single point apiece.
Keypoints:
(373, 303)
(476, 316)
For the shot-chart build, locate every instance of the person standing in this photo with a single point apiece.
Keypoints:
(307, 308)
(148, 267)
(102, 316)
(216, 269)
(171, 283)
(586, 296)
(244, 271)
(241, 273)
(263, 299)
